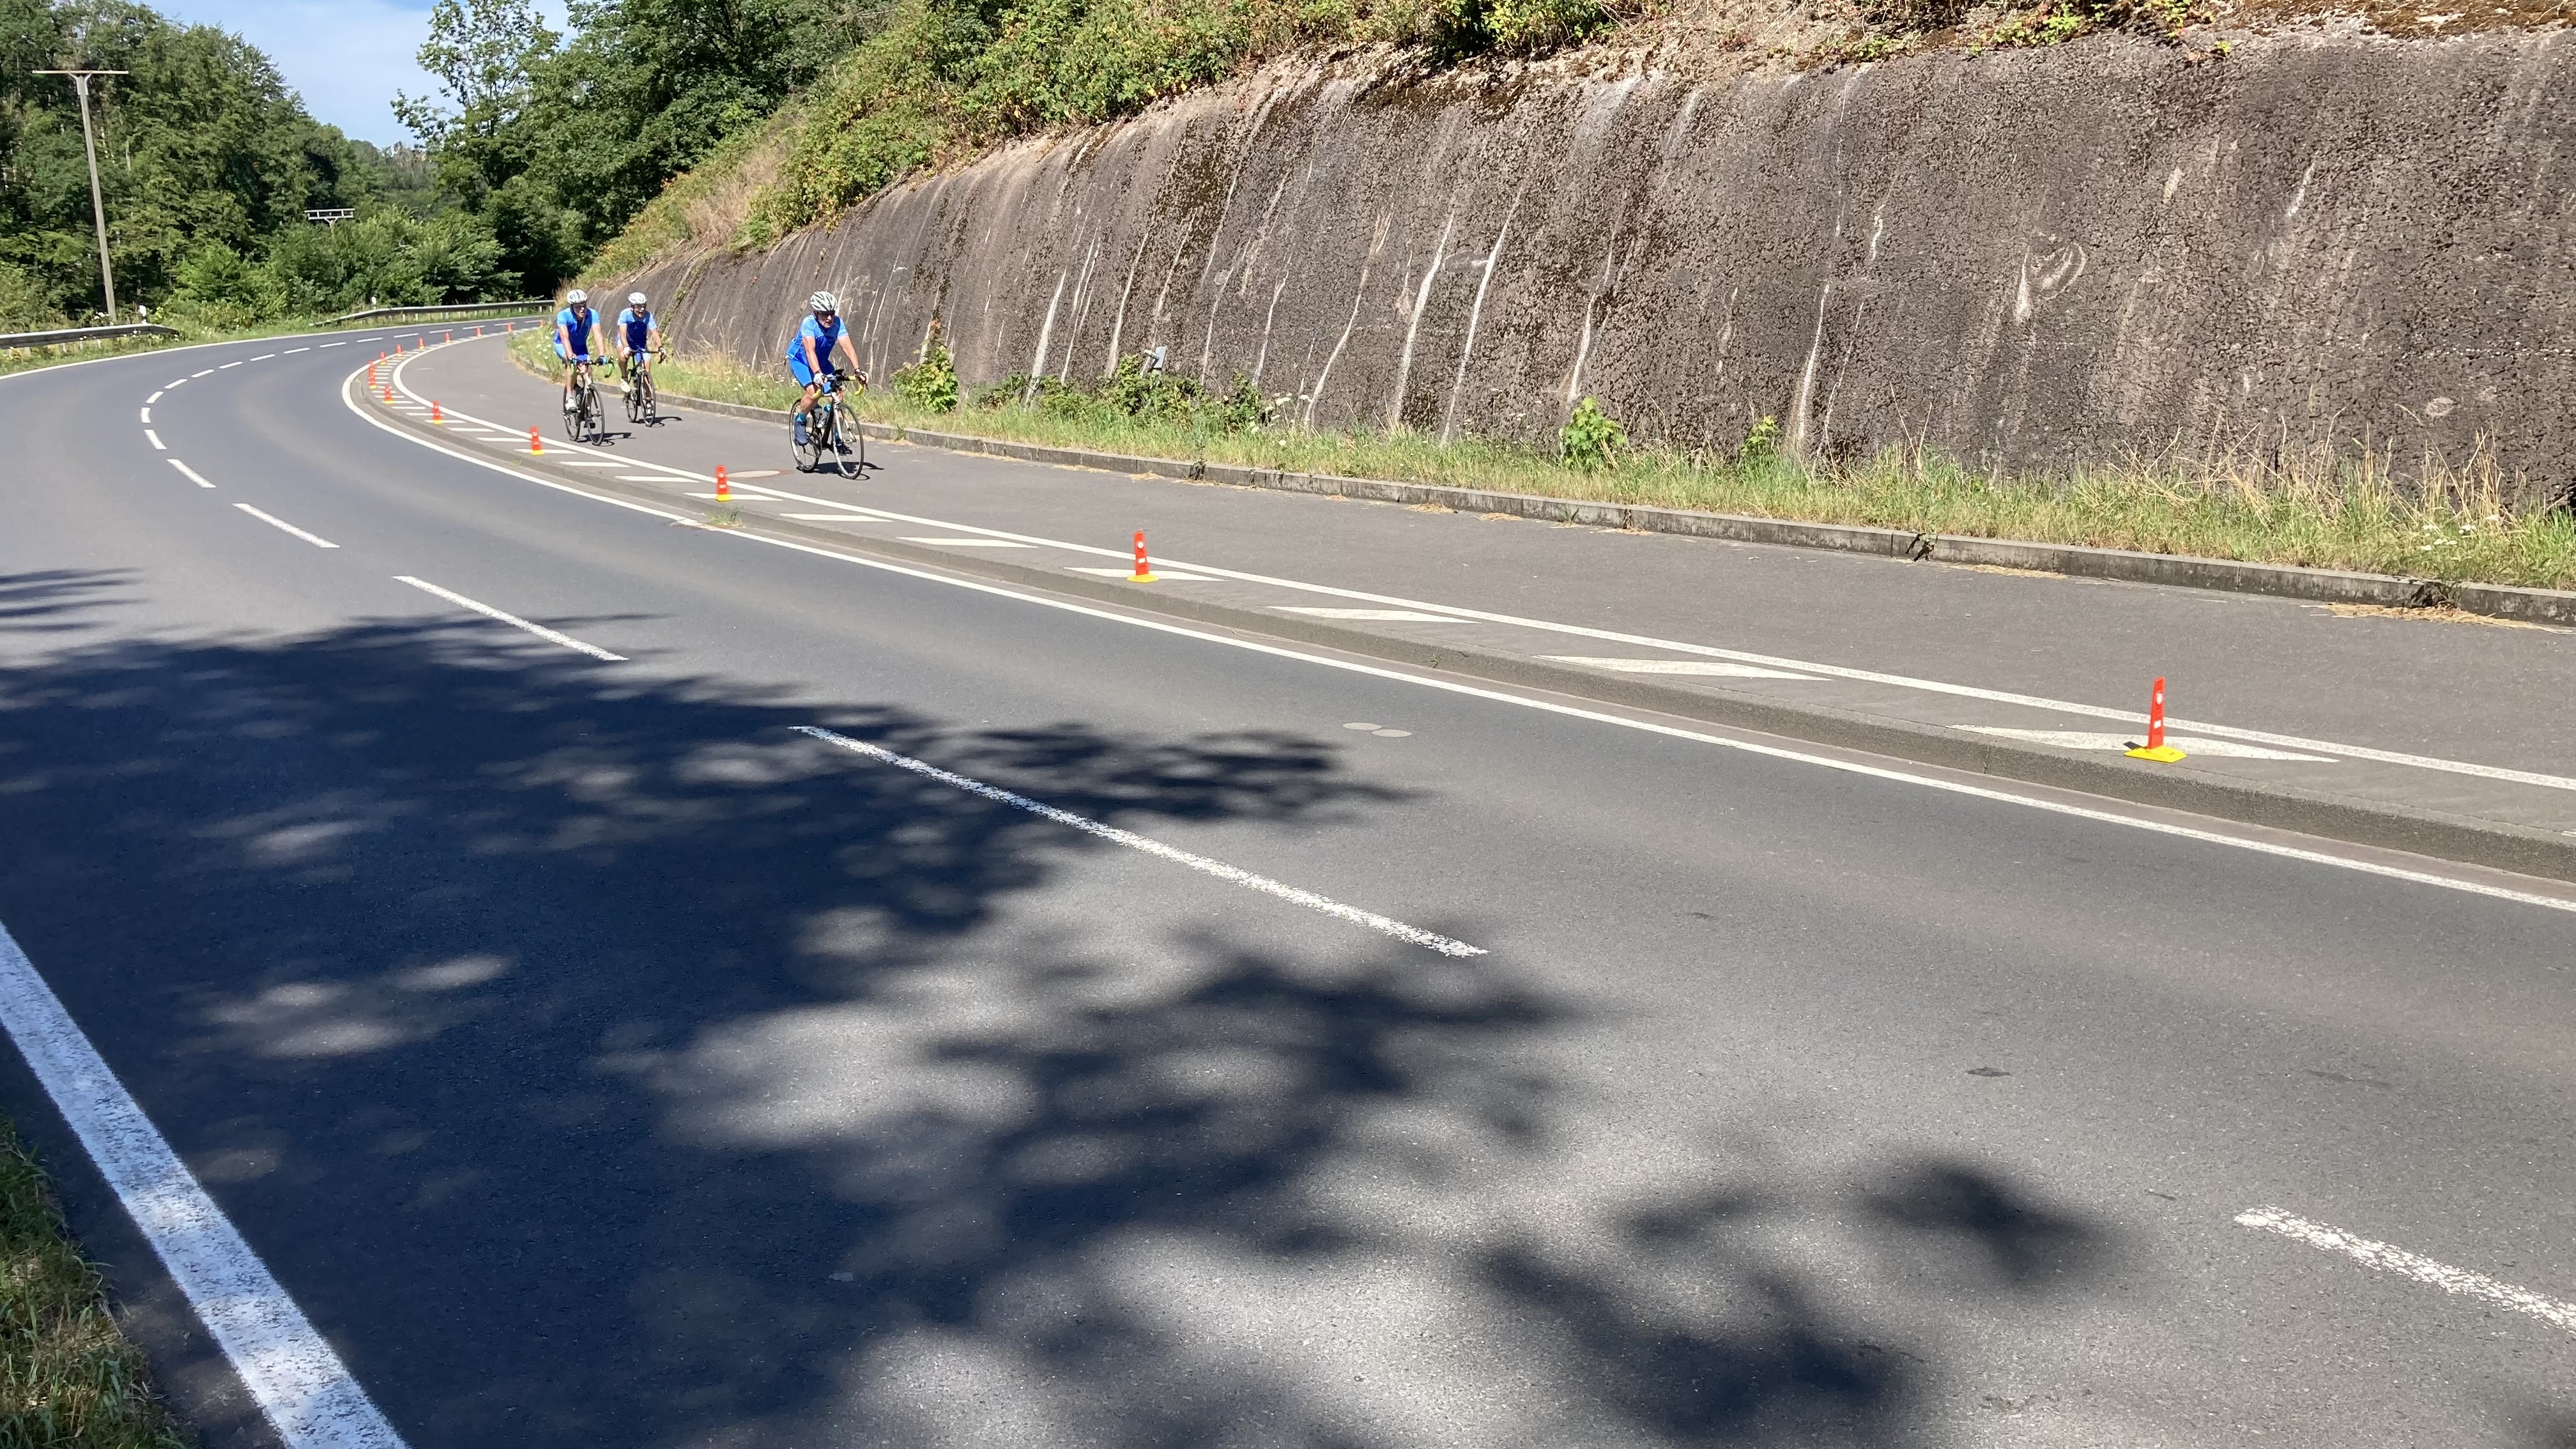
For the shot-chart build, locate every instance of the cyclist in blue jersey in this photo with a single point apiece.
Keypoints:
(573, 328)
(810, 353)
(638, 337)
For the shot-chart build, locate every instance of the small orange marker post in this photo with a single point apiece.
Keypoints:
(535, 443)
(447, 336)
(1144, 571)
(389, 394)
(724, 490)
(2155, 748)
(478, 331)
(436, 419)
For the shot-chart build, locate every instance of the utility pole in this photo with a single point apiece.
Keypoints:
(97, 205)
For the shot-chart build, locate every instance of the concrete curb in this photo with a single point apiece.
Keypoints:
(2179, 787)
(2331, 586)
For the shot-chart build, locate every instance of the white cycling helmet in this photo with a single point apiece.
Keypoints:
(823, 302)
(575, 297)
(635, 299)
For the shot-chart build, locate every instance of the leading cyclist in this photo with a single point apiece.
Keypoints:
(639, 336)
(574, 326)
(810, 353)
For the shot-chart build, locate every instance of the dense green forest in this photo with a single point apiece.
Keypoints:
(207, 163)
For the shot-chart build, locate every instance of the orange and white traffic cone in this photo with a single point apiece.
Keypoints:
(724, 490)
(1144, 572)
(436, 419)
(535, 444)
(389, 394)
(2155, 748)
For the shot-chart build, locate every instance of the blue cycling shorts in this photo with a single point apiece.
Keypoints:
(804, 375)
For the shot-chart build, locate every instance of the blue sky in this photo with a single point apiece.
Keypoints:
(345, 57)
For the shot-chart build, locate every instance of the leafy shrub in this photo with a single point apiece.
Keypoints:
(1761, 442)
(931, 383)
(1591, 438)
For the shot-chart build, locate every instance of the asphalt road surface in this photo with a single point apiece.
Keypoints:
(596, 1057)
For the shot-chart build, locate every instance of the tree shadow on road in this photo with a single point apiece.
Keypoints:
(601, 1062)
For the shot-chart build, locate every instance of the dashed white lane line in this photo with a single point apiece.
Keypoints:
(302, 1386)
(1415, 616)
(156, 397)
(189, 473)
(178, 382)
(207, 372)
(290, 352)
(155, 439)
(964, 542)
(263, 357)
(1714, 667)
(333, 344)
(1449, 686)
(274, 521)
(1372, 920)
(147, 412)
(2389, 1259)
(513, 620)
(221, 366)
(2090, 740)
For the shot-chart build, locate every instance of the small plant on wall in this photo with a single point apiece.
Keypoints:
(1591, 438)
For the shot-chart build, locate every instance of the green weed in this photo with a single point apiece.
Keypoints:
(1590, 439)
(68, 1377)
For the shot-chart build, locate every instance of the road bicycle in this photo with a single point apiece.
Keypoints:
(640, 400)
(833, 439)
(581, 407)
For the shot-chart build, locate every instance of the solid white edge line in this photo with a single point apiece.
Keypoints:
(274, 521)
(189, 473)
(513, 620)
(288, 1367)
(155, 438)
(1383, 925)
(1849, 767)
(2389, 1259)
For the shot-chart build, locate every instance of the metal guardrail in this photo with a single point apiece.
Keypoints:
(451, 309)
(11, 341)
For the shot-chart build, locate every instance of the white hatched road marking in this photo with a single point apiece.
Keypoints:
(513, 620)
(289, 1369)
(1372, 920)
(966, 542)
(2389, 1259)
(1715, 667)
(2090, 740)
(274, 521)
(189, 473)
(1404, 615)
(1800, 666)
(1353, 666)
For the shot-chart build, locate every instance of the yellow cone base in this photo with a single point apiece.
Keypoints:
(2161, 754)
(1144, 578)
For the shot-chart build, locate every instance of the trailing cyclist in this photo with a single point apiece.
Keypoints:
(574, 326)
(639, 336)
(810, 353)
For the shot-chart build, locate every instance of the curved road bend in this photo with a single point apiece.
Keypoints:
(596, 1058)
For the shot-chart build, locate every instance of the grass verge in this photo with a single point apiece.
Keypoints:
(69, 1379)
(2318, 507)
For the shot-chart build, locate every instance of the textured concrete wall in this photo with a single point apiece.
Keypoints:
(2030, 257)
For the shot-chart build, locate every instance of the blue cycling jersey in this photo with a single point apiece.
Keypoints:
(825, 339)
(638, 327)
(576, 330)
